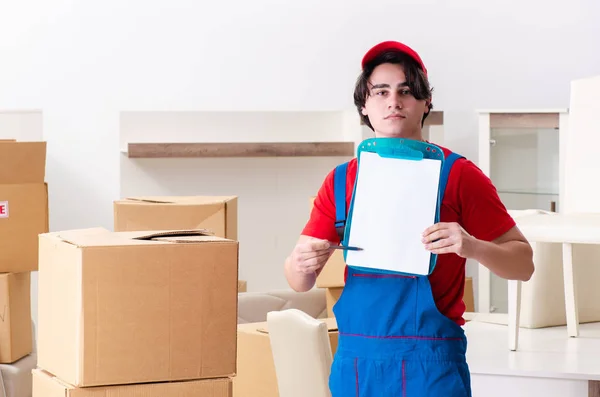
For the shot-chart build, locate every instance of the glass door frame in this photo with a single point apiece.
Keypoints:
(514, 118)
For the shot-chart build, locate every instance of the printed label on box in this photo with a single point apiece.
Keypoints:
(3, 209)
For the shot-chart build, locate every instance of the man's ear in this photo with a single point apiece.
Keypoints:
(363, 111)
(428, 106)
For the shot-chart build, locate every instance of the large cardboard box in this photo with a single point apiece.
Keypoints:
(15, 327)
(47, 385)
(255, 368)
(332, 295)
(134, 307)
(332, 274)
(468, 296)
(215, 213)
(23, 204)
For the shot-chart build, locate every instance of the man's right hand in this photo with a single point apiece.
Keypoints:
(310, 255)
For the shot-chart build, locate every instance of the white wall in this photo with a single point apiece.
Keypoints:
(84, 62)
(581, 167)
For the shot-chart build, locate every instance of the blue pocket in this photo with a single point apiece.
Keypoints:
(437, 378)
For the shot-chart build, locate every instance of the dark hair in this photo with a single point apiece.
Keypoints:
(415, 77)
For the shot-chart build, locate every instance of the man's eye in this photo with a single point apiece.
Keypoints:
(405, 92)
(381, 93)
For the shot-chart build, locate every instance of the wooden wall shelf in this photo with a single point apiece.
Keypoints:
(524, 120)
(242, 149)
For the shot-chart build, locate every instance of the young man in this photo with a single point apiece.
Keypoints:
(398, 335)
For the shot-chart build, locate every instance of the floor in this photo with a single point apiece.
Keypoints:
(544, 352)
(547, 362)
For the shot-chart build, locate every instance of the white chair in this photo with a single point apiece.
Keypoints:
(301, 353)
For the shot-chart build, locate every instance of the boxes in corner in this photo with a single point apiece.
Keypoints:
(23, 216)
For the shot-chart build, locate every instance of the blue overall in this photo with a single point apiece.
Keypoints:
(393, 341)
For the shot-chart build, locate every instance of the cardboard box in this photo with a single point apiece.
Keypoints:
(332, 274)
(23, 204)
(134, 307)
(215, 213)
(47, 385)
(468, 296)
(15, 328)
(256, 371)
(331, 297)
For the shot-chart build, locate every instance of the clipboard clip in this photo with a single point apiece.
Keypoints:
(396, 148)
(399, 152)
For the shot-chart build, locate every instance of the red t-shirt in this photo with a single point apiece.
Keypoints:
(470, 199)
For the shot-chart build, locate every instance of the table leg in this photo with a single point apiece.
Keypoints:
(570, 291)
(514, 313)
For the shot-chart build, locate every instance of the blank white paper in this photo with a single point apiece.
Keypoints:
(395, 201)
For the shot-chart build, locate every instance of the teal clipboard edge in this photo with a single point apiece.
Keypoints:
(399, 148)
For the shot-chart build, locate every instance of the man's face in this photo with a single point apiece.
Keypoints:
(390, 106)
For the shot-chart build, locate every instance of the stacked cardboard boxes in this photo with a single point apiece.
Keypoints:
(217, 214)
(136, 313)
(23, 215)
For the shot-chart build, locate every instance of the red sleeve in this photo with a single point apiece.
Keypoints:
(322, 217)
(483, 214)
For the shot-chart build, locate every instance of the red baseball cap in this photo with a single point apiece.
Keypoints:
(392, 45)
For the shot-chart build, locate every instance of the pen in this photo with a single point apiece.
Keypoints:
(345, 247)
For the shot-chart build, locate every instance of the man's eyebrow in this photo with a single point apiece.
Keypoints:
(384, 85)
(377, 86)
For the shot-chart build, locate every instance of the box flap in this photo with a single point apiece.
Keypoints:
(100, 237)
(153, 234)
(181, 200)
(47, 375)
(47, 385)
(152, 200)
(22, 162)
(175, 236)
(78, 236)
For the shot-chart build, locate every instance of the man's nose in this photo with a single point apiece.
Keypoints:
(395, 102)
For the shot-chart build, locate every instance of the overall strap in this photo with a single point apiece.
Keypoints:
(339, 193)
(448, 163)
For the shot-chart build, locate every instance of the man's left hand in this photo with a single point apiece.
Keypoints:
(446, 238)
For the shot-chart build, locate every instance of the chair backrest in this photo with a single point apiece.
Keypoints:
(301, 353)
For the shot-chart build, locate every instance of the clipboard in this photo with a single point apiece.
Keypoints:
(411, 153)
